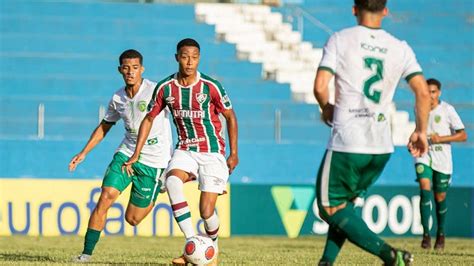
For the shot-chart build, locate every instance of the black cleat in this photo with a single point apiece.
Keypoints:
(426, 242)
(439, 244)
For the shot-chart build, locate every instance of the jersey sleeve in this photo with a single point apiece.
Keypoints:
(455, 121)
(411, 67)
(329, 60)
(111, 116)
(157, 102)
(220, 98)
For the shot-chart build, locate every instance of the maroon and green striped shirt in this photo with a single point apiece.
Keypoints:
(195, 111)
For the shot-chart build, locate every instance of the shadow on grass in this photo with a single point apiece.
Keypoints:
(23, 257)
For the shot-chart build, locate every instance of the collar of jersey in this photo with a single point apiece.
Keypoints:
(198, 77)
(370, 27)
(138, 92)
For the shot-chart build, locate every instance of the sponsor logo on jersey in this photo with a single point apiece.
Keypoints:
(192, 141)
(225, 101)
(373, 48)
(142, 106)
(437, 118)
(169, 100)
(201, 97)
(381, 118)
(420, 168)
(152, 141)
(188, 113)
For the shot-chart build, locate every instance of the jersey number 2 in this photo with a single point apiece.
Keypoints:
(373, 94)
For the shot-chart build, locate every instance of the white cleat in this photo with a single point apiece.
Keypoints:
(83, 258)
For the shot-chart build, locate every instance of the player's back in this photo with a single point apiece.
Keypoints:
(368, 64)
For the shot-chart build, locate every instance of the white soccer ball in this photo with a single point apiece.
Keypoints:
(199, 250)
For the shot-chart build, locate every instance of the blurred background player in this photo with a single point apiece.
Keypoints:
(367, 63)
(128, 103)
(195, 101)
(436, 167)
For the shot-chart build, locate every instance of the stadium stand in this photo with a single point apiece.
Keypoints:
(63, 56)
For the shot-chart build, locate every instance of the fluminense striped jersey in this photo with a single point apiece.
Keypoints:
(195, 111)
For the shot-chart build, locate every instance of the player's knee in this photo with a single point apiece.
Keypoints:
(133, 220)
(440, 196)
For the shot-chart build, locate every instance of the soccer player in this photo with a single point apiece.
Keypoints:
(128, 103)
(367, 63)
(196, 101)
(436, 167)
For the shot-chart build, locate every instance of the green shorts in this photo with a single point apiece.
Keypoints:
(439, 180)
(344, 176)
(146, 181)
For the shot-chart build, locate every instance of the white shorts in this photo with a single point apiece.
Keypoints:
(210, 168)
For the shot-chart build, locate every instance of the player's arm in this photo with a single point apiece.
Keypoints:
(155, 106)
(418, 142)
(321, 92)
(232, 131)
(96, 137)
(459, 136)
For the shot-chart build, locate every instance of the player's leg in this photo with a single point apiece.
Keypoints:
(335, 238)
(181, 169)
(145, 189)
(207, 209)
(340, 181)
(115, 181)
(213, 176)
(424, 175)
(441, 184)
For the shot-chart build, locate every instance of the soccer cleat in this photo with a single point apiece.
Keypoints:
(439, 244)
(83, 258)
(181, 260)
(403, 258)
(400, 258)
(426, 242)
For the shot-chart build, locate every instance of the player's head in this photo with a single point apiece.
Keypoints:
(363, 8)
(188, 55)
(435, 90)
(131, 67)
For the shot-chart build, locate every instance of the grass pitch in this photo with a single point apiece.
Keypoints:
(21, 250)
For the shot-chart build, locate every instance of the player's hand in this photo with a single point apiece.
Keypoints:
(232, 162)
(75, 161)
(418, 144)
(127, 166)
(327, 114)
(435, 138)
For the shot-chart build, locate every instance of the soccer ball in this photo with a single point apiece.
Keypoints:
(199, 250)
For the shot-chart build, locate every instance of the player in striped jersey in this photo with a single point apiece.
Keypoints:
(435, 167)
(196, 101)
(367, 63)
(129, 103)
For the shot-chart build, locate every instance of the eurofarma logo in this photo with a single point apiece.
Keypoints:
(62, 207)
(293, 204)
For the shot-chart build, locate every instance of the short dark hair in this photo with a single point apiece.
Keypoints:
(370, 5)
(187, 42)
(129, 54)
(435, 82)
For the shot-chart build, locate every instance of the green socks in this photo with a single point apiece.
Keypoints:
(334, 242)
(92, 237)
(358, 233)
(425, 210)
(441, 210)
